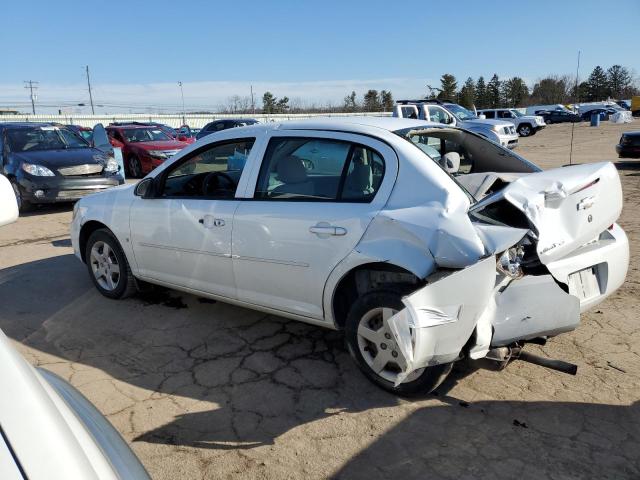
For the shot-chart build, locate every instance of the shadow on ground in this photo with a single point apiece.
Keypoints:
(255, 377)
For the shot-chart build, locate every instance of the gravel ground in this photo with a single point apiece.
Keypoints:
(207, 390)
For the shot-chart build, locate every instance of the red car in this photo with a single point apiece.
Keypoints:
(144, 147)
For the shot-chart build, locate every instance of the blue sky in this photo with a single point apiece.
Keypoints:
(317, 51)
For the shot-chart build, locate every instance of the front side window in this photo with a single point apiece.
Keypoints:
(212, 172)
(504, 114)
(313, 169)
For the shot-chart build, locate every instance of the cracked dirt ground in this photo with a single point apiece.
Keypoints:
(207, 390)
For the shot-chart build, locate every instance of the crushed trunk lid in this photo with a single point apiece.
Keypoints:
(566, 207)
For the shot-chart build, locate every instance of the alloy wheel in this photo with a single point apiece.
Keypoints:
(378, 346)
(104, 265)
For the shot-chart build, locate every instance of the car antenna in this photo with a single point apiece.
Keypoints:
(573, 124)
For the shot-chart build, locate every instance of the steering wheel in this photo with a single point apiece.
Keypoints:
(215, 176)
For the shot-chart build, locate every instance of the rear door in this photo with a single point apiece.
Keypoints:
(308, 205)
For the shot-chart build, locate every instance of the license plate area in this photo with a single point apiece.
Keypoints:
(588, 282)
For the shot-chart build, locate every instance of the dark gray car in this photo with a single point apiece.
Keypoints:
(49, 163)
(219, 125)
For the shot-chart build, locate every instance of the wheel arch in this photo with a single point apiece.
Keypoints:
(85, 232)
(366, 277)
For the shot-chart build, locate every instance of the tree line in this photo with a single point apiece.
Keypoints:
(616, 82)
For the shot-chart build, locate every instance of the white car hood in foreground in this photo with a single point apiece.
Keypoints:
(51, 438)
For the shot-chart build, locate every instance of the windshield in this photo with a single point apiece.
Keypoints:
(43, 138)
(135, 135)
(516, 113)
(460, 112)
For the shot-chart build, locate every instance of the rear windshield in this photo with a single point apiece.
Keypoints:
(43, 138)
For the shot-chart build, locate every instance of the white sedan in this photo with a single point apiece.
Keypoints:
(425, 243)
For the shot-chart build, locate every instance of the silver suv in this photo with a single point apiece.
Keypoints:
(525, 124)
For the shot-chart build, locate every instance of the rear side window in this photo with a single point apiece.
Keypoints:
(490, 114)
(313, 169)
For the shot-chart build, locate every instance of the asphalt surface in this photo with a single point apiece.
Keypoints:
(206, 390)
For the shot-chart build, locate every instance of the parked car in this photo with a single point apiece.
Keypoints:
(501, 132)
(558, 116)
(351, 224)
(219, 125)
(48, 163)
(49, 430)
(629, 145)
(525, 124)
(143, 147)
(172, 132)
(604, 113)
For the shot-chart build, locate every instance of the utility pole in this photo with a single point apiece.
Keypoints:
(93, 112)
(575, 108)
(31, 86)
(184, 121)
(253, 105)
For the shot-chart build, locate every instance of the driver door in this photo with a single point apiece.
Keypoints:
(182, 236)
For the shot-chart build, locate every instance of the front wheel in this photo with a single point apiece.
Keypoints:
(524, 130)
(108, 265)
(372, 346)
(135, 167)
(23, 205)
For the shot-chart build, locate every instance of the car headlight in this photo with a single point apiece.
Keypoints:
(158, 153)
(37, 170)
(497, 128)
(111, 165)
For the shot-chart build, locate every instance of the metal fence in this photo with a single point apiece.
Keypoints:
(195, 121)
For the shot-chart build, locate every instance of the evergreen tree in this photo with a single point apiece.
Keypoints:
(350, 102)
(448, 88)
(386, 101)
(268, 103)
(619, 80)
(493, 92)
(598, 85)
(467, 96)
(371, 101)
(481, 93)
(514, 92)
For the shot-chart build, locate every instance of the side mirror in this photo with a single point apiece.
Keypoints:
(482, 116)
(144, 188)
(8, 202)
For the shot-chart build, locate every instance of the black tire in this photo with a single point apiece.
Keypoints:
(548, 122)
(125, 286)
(23, 205)
(134, 167)
(525, 130)
(430, 377)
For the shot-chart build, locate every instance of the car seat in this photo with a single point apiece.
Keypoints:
(293, 175)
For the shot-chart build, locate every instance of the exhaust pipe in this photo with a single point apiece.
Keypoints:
(559, 365)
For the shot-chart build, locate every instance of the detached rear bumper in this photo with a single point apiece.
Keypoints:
(64, 189)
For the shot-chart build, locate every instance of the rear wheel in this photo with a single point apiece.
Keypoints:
(108, 265)
(135, 167)
(372, 346)
(23, 205)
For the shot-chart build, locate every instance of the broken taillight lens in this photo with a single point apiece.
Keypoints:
(509, 263)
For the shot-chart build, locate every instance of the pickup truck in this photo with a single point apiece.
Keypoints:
(499, 131)
(525, 124)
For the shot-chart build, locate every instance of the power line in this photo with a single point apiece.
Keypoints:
(31, 85)
(89, 85)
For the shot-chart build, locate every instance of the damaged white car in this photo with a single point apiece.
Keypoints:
(425, 243)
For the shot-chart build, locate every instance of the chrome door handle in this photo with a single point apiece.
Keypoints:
(323, 229)
(208, 221)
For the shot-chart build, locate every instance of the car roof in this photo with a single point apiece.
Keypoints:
(30, 124)
(356, 124)
(132, 125)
